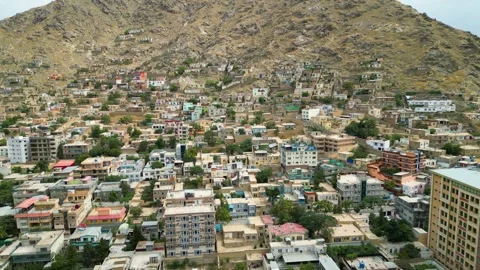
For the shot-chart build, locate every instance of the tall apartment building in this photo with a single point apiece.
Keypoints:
(189, 230)
(36, 214)
(189, 197)
(43, 147)
(333, 143)
(74, 149)
(18, 149)
(98, 167)
(454, 223)
(356, 187)
(414, 210)
(298, 155)
(412, 162)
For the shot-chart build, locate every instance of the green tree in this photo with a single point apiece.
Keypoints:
(3, 142)
(231, 149)
(272, 193)
(80, 158)
(283, 210)
(96, 131)
(261, 100)
(135, 133)
(157, 165)
(264, 175)
(41, 166)
(307, 266)
(126, 120)
(360, 152)
(113, 196)
(241, 266)
(318, 177)
(60, 151)
(324, 206)
(389, 184)
(223, 213)
(363, 129)
(420, 125)
(105, 119)
(160, 143)
(8, 227)
(67, 259)
(452, 149)
(196, 170)
(210, 138)
(246, 145)
(172, 142)
(316, 222)
(88, 256)
(409, 251)
(173, 87)
(136, 211)
(190, 155)
(143, 147)
(347, 205)
(136, 237)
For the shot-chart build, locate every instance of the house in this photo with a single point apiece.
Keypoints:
(291, 231)
(89, 235)
(150, 230)
(37, 248)
(109, 217)
(346, 233)
(379, 144)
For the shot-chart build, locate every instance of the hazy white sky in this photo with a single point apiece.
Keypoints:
(457, 13)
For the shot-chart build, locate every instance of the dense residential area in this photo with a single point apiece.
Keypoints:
(210, 167)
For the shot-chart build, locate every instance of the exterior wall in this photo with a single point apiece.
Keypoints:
(18, 149)
(43, 148)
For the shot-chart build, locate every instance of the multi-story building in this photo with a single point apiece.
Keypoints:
(432, 106)
(299, 155)
(74, 149)
(18, 149)
(216, 110)
(98, 167)
(309, 113)
(412, 162)
(30, 189)
(3, 151)
(356, 187)
(43, 147)
(36, 214)
(264, 158)
(73, 210)
(332, 144)
(89, 235)
(314, 246)
(189, 230)
(379, 144)
(131, 169)
(107, 191)
(242, 208)
(190, 197)
(454, 222)
(299, 174)
(108, 217)
(37, 249)
(414, 210)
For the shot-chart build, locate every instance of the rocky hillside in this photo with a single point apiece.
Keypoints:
(418, 52)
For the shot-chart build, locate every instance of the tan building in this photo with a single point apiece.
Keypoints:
(189, 197)
(346, 233)
(43, 148)
(36, 214)
(190, 230)
(73, 210)
(454, 224)
(264, 158)
(470, 150)
(332, 144)
(98, 167)
(74, 149)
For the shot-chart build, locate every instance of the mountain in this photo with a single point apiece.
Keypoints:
(418, 52)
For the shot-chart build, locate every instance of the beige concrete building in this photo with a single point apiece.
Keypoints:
(43, 148)
(189, 230)
(98, 167)
(74, 149)
(454, 224)
(330, 145)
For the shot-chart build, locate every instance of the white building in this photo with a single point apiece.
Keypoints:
(3, 151)
(356, 187)
(18, 149)
(432, 106)
(298, 154)
(379, 144)
(413, 188)
(315, 247)
(132, 170)
(309, 113)
(158, 82)
(259, 92)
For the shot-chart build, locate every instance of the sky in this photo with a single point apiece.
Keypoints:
(460, 14)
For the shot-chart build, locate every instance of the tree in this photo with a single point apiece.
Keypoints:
(41, 166)
(196, 170)
(349, 86)
(452, 149)
(264, 175)
(172, 142)
(347, 205)
(246, 145)
(136, 211)
(324, 206)
(409, 251)
(241, 266)
(160, 143)
(105, 119)
(210, 138)
(60, 151)
(318, 177)
(420, 125)
(231, 149)
(80, 158)
(88, 256)
(173, 87)
(8, 227)
(96, 131)
(223, 212)
(143, 147)
(283, 210)
(135, 133)
(190, 155)
(3, 142)
(272, 193)
(316, 222)
(261, 100)
(157, 165)
(126, 120)
(307, 266)
(363, 129)
(360, 152)
(67, 259)
(389, 184)
(241, 131)
(136, 237)
(113, 196)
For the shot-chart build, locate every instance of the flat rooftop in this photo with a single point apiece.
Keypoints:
(196, 209)
(462, 175)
